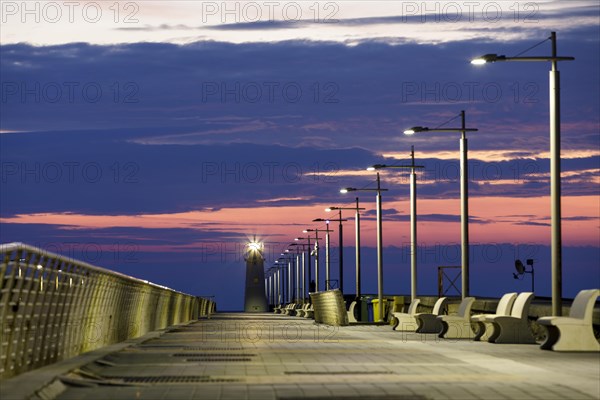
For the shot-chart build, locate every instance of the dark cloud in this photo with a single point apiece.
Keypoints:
(293, 92)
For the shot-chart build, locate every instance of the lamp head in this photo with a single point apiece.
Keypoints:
(329, 209)
(375, 167)
(487, 58)
(346, 190)
(415, 129)
(305, 231)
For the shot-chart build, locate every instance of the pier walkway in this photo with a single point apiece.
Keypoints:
(266, 356)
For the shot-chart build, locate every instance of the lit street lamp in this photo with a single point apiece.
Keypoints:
(300, 271)
(379, 241)
(327, 252)
(413, 217)
(316, 253)
(341, 246)
(357, 245)
(464, 195)
(556, 241)
(308, 260)
(287, 292)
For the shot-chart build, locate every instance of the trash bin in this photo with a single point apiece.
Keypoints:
(365, 306)
(368, 315)
(398, 304)
(376, 309)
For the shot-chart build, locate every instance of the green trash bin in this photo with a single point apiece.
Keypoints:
(376, 309)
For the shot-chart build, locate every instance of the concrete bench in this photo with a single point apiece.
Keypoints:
(289, 309)
(458, 326)
(407, 321)
(513, 328)
(309, 312)
(351, 317)
(428, 322)
(575, 332)
(484, 330)
(300, 311)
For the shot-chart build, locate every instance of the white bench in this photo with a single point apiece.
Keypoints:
(351, 317)
(484, 330)
(428, 322)
(575, 332)
(407, 321)
(513, 328)
(289, 309)
(278, 309)
(458, 326)
(300, 311)
(309, 312)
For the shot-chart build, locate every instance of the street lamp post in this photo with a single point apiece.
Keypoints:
(379, 240)
(357, 243)
(464, 195)
(281, 276)
(316, 253)
(300, 275)
(288, 287)
(306, 263)
(413, 217)
(328, 253)
(327, 256)
(556, 241)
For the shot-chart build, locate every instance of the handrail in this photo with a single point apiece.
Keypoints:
(54, 307)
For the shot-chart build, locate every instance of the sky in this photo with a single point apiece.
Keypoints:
(157, 138)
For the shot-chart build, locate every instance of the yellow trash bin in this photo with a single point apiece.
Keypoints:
(398, 304)
(376, 309)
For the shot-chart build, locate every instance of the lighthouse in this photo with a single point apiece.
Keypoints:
(255, 299)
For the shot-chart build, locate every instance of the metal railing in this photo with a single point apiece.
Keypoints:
(54, 307)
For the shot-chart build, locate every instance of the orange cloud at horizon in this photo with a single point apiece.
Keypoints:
(499, 220)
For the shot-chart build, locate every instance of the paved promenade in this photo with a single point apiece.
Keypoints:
(266, 356)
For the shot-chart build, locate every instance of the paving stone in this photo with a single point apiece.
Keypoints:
(265, 356)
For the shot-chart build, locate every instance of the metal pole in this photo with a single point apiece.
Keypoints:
(297, 276)
(341, 256)
(413, 229)
(278, 286)
(274, 287)
(327, 259)
(357, 250)
(464, 210)
(379, 251)
(290, 288)
(309, 265)
(281, 278)
(316, 261)
(268, 285)
(303, 277)
(556, 241)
